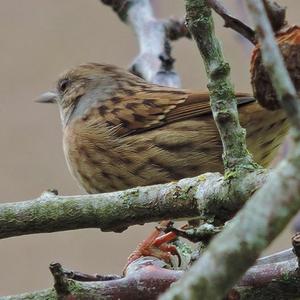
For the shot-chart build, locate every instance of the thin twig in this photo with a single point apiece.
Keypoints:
(232, 22)
(60, 282)
(79, 276)
(204, 232)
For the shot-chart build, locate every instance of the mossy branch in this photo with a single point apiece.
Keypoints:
(208, 196)
(276, 280)
(223, 103)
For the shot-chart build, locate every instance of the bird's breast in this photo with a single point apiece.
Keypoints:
(103, 161)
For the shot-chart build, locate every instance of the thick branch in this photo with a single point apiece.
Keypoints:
(141, 277)
(223, 104)
(271, 281)
(278, 280)
(207, 196)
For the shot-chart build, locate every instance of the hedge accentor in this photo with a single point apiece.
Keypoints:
(120, 131)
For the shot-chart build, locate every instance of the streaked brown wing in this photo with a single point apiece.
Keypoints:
(155, 106)
(197, 104)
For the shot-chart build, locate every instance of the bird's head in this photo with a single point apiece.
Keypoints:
(79, 88)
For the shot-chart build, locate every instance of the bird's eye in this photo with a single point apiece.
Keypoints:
(63, 84)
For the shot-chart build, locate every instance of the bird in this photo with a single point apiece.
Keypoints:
(120, 131)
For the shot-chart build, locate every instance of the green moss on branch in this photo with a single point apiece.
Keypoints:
(213, 198)
(223, 104)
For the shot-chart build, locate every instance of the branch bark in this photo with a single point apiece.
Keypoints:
(276, 280)
(270, 281)
(154, 62)
(207, 196)
(223, 103)
(275, 12)
(232, 22)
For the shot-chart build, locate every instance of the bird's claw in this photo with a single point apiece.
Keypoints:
(157, 245)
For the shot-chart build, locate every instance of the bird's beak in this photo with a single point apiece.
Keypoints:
(48, 97)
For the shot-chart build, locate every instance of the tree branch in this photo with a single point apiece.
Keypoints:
(142, 275)
(223, 104)
(208, 196)
(264, 216)
(267, 213)
(61, 284)
(153, 37)
(276, 257)
(270, 281)
(277, 280)
(232, 22)
(276, 14)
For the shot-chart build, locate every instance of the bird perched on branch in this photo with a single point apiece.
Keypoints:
(120, 131)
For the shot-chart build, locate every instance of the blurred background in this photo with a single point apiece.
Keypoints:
(38, 40)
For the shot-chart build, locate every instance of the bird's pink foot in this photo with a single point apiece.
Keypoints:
(155, 245)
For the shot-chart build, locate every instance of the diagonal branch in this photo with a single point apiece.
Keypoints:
(275, 12)
(232, 22)
(270, 209)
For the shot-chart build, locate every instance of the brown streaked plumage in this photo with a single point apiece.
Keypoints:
(120, 131)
